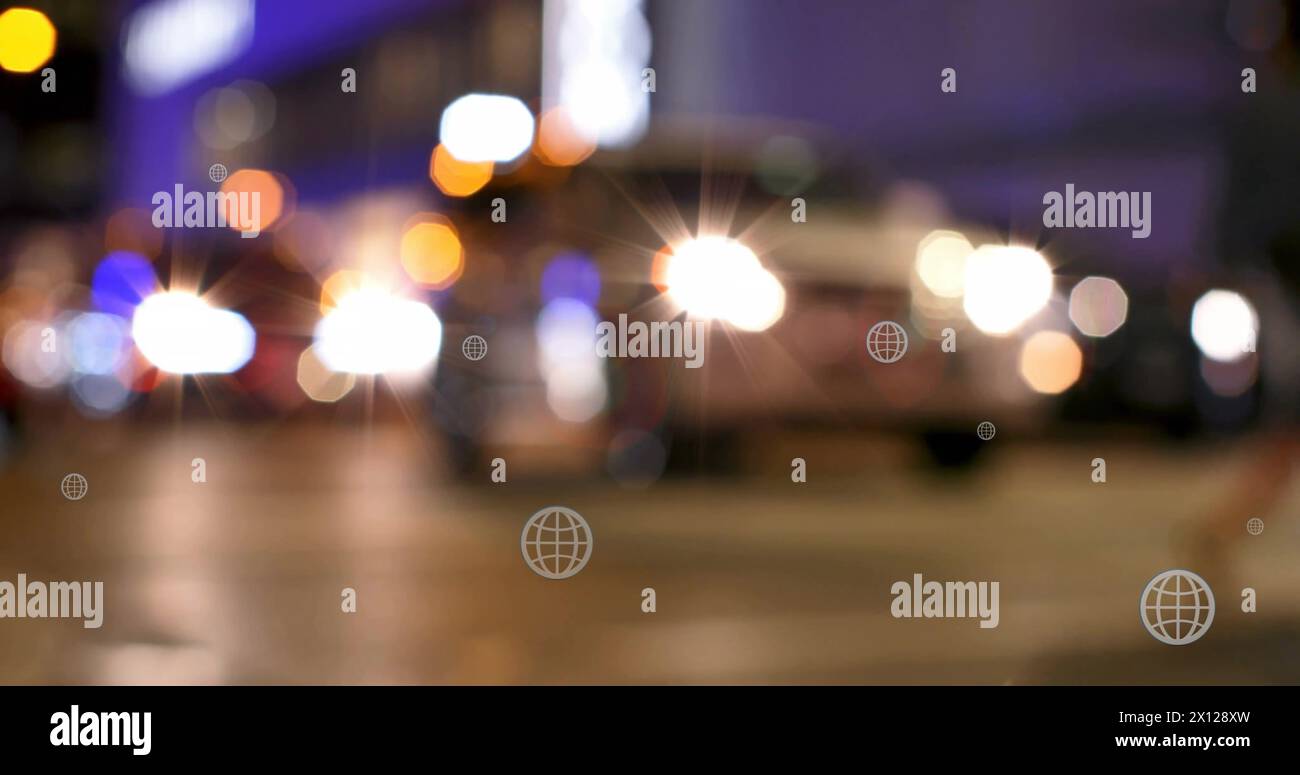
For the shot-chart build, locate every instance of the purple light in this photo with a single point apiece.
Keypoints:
(121, 281)
(571, 276)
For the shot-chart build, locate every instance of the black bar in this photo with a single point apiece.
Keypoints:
(871, 725)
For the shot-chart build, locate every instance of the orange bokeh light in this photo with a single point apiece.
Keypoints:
(271, 200)
(431, 253)
(659, 268)
(558, 142)
(455, 177)
(340, 284)
(1051, 362)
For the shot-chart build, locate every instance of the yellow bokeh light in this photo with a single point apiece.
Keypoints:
(27, 40)
(558, 142)
(270, 199)
(455, 177)
(1050, 362)
(432, 254)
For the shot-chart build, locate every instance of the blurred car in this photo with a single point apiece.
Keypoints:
(849, 265)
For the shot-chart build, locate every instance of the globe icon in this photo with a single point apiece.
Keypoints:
(217, 172)
(556, 542)
(74, 487)
(986, 430)
(887, 341)
(474, 347)
(1254, 526)
(1177, 607)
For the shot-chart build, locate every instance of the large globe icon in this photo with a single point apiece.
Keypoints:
(556, 542)
(887, 341)
(74, 487)
(1177, 607)
(474, 347)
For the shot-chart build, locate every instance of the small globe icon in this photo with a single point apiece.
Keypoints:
(556, 542)
(1177, 607)
(986, 430)
(218, 172)
(474, 347)
(1254, 526)
(887, 341)
(74, 487)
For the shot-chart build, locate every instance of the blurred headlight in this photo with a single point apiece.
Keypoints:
(1224, 325)
(182, 334)
(718, 278)
(372, 331)
(1005, 286)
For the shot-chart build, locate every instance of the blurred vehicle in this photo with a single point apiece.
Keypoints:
(802, 362)
(851, 264)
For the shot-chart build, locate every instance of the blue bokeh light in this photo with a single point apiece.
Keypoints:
(121, 281)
